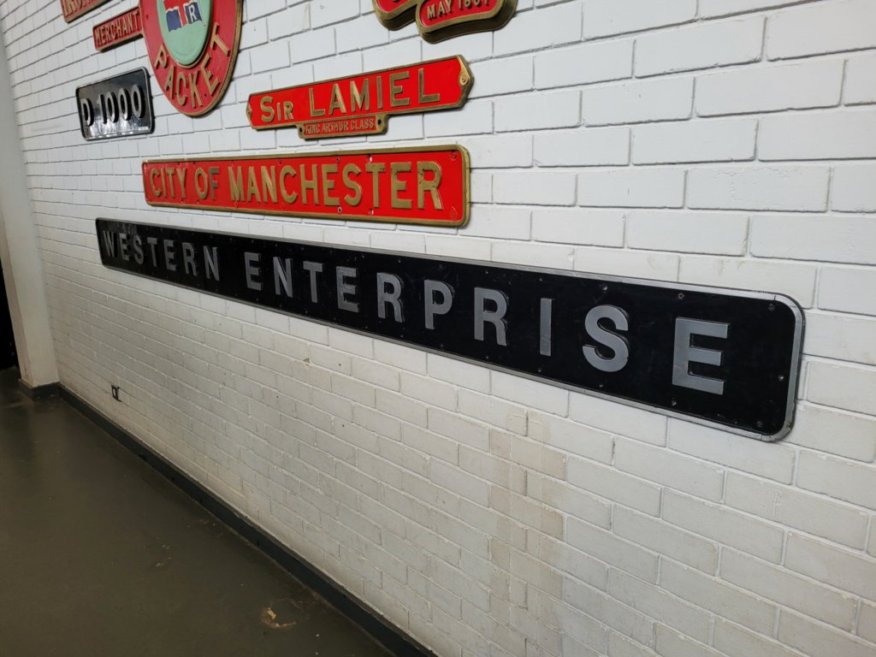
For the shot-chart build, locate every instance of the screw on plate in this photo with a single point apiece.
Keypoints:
(680, 296)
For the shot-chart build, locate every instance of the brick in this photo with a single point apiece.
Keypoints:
(548, 26)
(794, 280)
(769, 88)
(597, 227)
(621, 262)
(842, 386)
(613, 613)
(669, 469)
(724, 525)
(763, 459)
(845, 480)
(819, 640)
(818, 136)
(852, 188)
(717, 233)
(608, 483)
(844, 569)
(788, 506)
(584, 64)
(732, 639)
(665, 539)
(840, 289)
(758, 188)
(526, 111)
(660, 605)
(841, 337)
(721, 599)
(536, 188)
(714, 140)
(582, 147)
(698, 46)
(832, 431)
(789, 589)
(832, 26)
(571, 437)
(604, 17)
(860, 84)
(670, 642)
(632, 187)
(639, 101)
(605, 415)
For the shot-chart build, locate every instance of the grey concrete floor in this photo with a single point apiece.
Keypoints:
(101, 556)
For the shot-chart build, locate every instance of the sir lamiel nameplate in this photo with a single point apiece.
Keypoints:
(73, 9)
(719, 357)
(360, 104)
(428, 185)
(116, 107)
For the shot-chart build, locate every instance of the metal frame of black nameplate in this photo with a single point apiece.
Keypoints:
(131, 127)
(761, 355)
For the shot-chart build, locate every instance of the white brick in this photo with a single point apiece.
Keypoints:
(840, 289)
(658, 604)
(612, 550)
(795, 280)
(724, 525)
(716, 140)
(537, 188)
(547, 26)
(769, 88)
(672, 470)
(846, 387)
(526, 112)
(582, 147)
(571, 437)
(831, 26)
(788, 589)
(613, 485)
(789, 506)
(584, 64)
(632, 187)
(819, 640)
(845, 480)
(860, 84)
(852, 188)
(758, 188)
(637, 102)
(663, 538)
(735, 640)
(763, 459)
(605, 415)
(597, 227)
(818, 136)
(670, 642)
(828, 430)
(702, 45)
(717, 597)
(604, 17)
(841, 337)
(718, 233)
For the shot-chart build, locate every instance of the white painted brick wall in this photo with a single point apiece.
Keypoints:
(718, 142)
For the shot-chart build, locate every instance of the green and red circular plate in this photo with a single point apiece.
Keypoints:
(192, 46)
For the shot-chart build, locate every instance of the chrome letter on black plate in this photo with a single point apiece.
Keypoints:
(116, 107)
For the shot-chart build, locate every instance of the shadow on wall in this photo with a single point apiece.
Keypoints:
(8, 356)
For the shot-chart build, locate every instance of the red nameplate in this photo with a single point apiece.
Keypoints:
(360, 104)
(441, 19)
(73, 9)
(428, 185)
(118, 30)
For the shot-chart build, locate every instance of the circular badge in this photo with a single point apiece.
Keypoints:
(192, 46)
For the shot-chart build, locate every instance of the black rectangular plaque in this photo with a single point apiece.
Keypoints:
(719, 357)
(116, 107)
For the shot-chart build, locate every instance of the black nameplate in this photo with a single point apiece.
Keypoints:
(116, 107)
(720, 357)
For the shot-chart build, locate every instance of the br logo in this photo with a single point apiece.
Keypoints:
(192, 46)
(184, 27)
